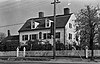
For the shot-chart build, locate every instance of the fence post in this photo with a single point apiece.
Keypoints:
(86, 51)
(17, 52)
(24, 51)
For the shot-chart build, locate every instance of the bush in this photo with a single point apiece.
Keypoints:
(59, 46)
(9, 46)
(38, 45)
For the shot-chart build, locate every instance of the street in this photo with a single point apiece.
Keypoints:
(39, 62)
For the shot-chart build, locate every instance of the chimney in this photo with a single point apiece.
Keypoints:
(66, 11)
(41, 14)
(8, 32)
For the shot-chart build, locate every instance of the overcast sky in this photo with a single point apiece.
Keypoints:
(18, 11)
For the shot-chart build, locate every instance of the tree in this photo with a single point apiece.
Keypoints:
(2, 36)
(88, 22)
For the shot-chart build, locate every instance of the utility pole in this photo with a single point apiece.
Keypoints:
(54, 41)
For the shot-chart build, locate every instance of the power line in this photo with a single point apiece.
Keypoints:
(11, 25)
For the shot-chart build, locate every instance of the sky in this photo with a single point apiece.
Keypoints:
(18, 11)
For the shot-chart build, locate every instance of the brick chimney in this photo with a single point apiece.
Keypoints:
(41, 14)
(8, 32)
(66, 11)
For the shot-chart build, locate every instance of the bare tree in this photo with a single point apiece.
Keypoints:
(88, 22)
(2, 36)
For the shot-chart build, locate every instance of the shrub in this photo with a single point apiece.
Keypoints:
(38, 45)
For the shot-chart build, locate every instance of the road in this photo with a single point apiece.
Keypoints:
(36, 62)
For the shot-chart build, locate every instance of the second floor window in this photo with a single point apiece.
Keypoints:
(70, 36)
(70, 25)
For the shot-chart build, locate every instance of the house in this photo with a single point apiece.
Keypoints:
(39, 28)
(10, 38)
(11, 42)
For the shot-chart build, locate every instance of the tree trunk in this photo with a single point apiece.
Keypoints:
(91, 45)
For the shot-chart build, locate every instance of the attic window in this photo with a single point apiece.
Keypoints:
(47, 23)
(32, 24)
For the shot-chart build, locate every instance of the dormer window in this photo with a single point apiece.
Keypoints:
(34, 24)
(47, 23)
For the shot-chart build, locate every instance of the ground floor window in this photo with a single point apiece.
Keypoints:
(24, 37)
(44, 36)
(48, 35)
(33, 36)
(40, 35)
(58, 35)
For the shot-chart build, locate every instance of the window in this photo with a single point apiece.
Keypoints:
(76, 38)
(70, 25)
(24, 37)
(40, 35)
(47, 23)
(30, 37)
(70, 36)
(77, 28)
(48, 35)
(33, 36)
(44, 35)
(33, 26)
(58, 35)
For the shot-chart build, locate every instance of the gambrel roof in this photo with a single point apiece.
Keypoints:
(61, 21)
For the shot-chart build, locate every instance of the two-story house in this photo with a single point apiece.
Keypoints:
(39, 28)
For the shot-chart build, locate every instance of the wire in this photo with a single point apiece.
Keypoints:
(45, 2)
(11, 25)
(25, 3)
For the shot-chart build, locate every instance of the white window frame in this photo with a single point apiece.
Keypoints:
(24, 37)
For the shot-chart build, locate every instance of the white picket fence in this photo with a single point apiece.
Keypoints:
(50, 53)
